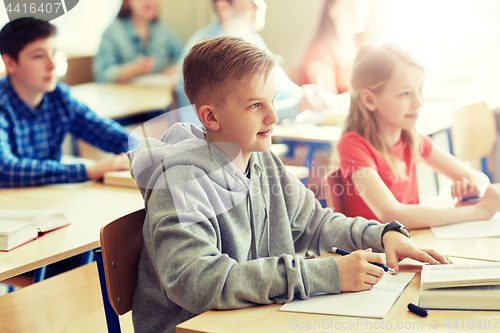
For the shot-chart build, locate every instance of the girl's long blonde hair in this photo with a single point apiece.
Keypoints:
(372, 69)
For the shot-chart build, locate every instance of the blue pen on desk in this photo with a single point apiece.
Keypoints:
(344, 253)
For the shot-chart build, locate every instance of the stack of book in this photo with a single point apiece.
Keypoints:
(473, 286)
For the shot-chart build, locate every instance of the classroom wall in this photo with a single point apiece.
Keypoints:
(290, 24)
(287, 32)
(186, 16)
(290, 27)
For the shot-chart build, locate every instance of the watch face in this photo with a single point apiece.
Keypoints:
(405, 231)
(401, 228)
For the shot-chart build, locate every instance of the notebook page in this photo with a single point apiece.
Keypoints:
(374, 303)
(8, 228)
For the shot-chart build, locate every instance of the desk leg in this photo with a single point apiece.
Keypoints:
(450, 143)
(484, 167)
(313, 146)
(87, 257)
(39, 274)
(291, 148)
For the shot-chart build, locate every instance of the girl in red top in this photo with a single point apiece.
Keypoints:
(380, 146)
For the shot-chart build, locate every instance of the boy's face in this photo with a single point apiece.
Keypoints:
(35, 66)
(247, 118)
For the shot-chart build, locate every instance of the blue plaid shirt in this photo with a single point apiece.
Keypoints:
(30, 140)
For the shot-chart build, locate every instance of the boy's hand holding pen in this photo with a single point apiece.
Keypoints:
(359, 270)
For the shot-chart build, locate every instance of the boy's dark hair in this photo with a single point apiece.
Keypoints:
(17, 34)
(214, 65)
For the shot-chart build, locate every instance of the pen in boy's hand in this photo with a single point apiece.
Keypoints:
(344, 253)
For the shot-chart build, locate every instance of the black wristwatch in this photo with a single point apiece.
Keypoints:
(396, 226)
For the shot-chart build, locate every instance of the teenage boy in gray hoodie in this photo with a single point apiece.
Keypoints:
(226, 226)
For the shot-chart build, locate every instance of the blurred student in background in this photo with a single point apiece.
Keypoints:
(334, 47)
(244, 18)
(136, 43)
(380, 147)
(36, 113)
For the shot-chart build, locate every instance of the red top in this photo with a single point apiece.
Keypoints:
(355, 152)
(320, 51)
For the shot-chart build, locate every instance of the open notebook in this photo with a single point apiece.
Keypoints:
(374, 303)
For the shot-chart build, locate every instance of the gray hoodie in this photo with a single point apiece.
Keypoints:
(217, 239)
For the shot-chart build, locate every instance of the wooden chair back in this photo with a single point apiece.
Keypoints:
(473, 132)
(333, 189)
(121, 246)
(79, 70)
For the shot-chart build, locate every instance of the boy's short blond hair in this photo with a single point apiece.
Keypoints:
(213, 65)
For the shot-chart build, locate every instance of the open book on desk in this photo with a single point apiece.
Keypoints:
(473, 286)
(373, 303)
(18, 227)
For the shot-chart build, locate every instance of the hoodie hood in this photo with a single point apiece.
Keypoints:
(183, 160)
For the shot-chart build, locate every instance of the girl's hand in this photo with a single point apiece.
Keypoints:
(464, 188)
(490, 202)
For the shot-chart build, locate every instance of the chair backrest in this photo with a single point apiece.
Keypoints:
(121, 245)
(473, 132)
(79, 70)
(334, 190)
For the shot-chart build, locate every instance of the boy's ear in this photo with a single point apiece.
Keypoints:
(10, 63)
(368, 99)
(208, 117)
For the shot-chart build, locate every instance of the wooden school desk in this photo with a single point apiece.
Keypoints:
(116, 101)
(88, 206)
(487, 248)
(267, 318)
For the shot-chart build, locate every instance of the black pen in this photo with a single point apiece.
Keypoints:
(344, 253)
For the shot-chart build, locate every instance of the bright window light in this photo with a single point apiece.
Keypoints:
(458, 41)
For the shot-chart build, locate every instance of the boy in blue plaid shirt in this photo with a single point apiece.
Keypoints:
(36, 112)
